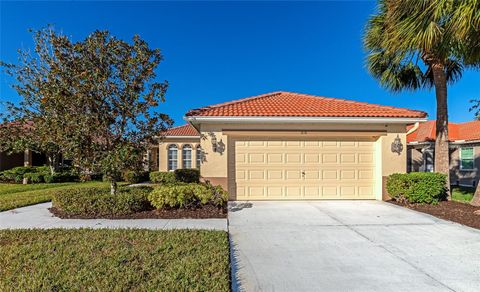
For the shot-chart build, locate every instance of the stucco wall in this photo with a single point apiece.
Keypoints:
(215, 165)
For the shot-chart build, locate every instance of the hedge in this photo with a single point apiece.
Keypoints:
(16, 174)
(187, 175)
(37, 174)
(187, 196)
(163, 177)
(135, 177)
(417, 187)
(97, 201)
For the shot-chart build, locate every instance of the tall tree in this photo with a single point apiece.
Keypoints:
(99, 95)
(416, 44)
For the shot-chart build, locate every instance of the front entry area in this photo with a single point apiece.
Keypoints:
(302, 169)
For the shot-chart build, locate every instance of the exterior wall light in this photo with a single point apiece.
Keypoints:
(397, 146)
(214, 143)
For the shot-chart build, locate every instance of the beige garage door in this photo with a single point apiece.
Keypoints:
(303, 169)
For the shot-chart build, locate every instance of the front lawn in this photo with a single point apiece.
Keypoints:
(462, 194)
(16, 195)
(114, 260)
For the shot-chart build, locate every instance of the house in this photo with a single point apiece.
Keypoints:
(27, 158)
(292, 146)
(464, 142)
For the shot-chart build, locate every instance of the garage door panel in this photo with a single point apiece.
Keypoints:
(275, 158)
(303, 169)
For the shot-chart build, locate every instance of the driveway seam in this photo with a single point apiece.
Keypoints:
(382, 246)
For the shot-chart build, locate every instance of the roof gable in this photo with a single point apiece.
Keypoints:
(182, 131)
(288, 104)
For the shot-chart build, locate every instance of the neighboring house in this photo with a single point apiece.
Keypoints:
(28, 158)
(464, 150)
(291, 146)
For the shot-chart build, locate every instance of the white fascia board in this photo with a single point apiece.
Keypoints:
(273, 120)
(464, 141)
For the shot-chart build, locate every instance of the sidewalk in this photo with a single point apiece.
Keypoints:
(38, 216)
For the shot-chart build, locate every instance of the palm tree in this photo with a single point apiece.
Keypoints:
(415, 44)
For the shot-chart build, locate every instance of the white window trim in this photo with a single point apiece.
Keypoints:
(169, 159)
(184, 159)
(473, 159)
(198, 158)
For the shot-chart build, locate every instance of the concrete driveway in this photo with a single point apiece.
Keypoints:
(349, 246)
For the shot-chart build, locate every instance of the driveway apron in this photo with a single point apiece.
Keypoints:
(349, 246)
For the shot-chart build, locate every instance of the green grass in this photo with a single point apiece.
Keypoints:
(462, 194)
(16, 195)
(114, 260)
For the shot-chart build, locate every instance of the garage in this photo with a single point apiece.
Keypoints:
(294, 146)
(303, 169)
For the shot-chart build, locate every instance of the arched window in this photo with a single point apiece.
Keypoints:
(187, 156)
(199, 156)
(172, 157)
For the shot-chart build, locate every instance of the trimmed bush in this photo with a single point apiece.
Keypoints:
(135, 177)
(187, 196)
(187, 175)
(34, 177)
(163, 177)
(99, 202)
(417, 187)
(60, 177)
(17, 174)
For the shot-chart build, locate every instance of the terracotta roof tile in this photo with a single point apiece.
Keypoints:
(426, 131)
(184, 130)
(288, 104)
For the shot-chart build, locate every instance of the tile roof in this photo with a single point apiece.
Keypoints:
(184, 130)
(288, 104)
(426, 132)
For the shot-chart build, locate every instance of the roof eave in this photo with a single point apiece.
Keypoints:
(319, 120)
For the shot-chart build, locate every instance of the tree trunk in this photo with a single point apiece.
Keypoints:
(51, 163)
(113, 187)
(442, 156)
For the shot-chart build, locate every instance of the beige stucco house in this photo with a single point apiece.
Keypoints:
(464, 143)
(291, 146)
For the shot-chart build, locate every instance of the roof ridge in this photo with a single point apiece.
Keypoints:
(236, 101)
(363, 102)
(187, 124)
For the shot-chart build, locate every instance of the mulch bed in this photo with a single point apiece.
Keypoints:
(205, 212)
(449, 210)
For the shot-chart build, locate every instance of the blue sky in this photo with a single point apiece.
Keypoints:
(219, 51)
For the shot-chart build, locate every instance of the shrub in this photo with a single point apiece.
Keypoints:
(34, 177)
(187, 196)
(16, 174)
(60, 177)
(97, 201)
(163, 177)
(188, 175)
(135, 177)
(417, 187)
